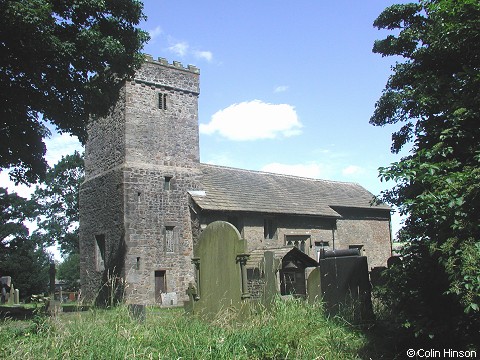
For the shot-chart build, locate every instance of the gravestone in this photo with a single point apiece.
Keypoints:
(314, 286)
(270, 268)
(53, 306)
(11, 296)
(345, 284)
(169, 299)
(6, 282)
(221, 276)
(137, 312)
(16, 300)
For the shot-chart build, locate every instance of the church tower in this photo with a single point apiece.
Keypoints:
(140, 162)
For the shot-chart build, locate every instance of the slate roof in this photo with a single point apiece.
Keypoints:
(230, 189)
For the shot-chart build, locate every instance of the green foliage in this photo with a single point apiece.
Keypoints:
(22, 256)
(434, 94)
(69, 271)
(27, 263)
(14, 210)
(55, 207)
(292, 330)
(60, 61)
(57, 203)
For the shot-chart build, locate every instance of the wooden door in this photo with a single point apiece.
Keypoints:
(160, 285)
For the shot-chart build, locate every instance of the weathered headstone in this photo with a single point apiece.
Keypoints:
(345, 285)
(53, 306)
(16, 300)
(270, 268)
(314, 286)
(11, 296)
(169, 299)
(219, 259)
(6, 282)
(137, 311)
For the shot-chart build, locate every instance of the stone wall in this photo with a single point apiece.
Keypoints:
(101, 215)
(140, 162)
(370, 228)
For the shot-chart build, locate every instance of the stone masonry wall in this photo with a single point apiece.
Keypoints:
(373, 232)
(130, 156)
(161, 143)
(356, 227)
(105, 148)
(149, 210)
(101, 214)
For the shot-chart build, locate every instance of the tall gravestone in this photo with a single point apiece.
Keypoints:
(270, 268)
(345, 284)
(221, 277)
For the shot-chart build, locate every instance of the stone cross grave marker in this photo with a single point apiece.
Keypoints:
(221, 276)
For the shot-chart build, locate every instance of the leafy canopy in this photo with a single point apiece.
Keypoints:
(59, 62)
(435, 95)
(56, 202)
(22, 256)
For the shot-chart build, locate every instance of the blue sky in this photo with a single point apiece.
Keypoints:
(285, 86)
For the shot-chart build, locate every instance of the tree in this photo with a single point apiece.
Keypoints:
(14, 211)
(69, 271)
(60, 61)
(23, 257)
(27, 262)
(57, 204)
(435, 95)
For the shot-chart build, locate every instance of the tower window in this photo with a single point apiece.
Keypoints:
(167, 183)
(162, 101)
(169, 239)
(100, 252)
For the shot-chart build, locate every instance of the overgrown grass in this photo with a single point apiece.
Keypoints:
(291, 330)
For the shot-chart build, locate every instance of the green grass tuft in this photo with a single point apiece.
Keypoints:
(290, 330)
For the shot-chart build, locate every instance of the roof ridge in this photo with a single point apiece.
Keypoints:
(282, 175)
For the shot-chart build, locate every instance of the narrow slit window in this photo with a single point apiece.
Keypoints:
(162, 101)
(169, 239)
(100, 252)
(167, 184)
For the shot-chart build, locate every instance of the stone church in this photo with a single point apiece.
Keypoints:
(146, 196)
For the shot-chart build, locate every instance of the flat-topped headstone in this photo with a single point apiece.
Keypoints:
(169, 299)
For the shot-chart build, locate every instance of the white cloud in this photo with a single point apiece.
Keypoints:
(155, 33)
(180, 48)
(313, 170)
(352, 170)
(254, 120)
(206, 55)
(183, 49)
(281, 88)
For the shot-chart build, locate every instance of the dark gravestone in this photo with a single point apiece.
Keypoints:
(137, 311)
(6, 282)
(345, 286)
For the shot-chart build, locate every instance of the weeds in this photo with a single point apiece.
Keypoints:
(290, 330)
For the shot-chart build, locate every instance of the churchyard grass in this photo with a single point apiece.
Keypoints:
(291, 330)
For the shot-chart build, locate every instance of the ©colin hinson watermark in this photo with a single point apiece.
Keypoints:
(444, 353)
